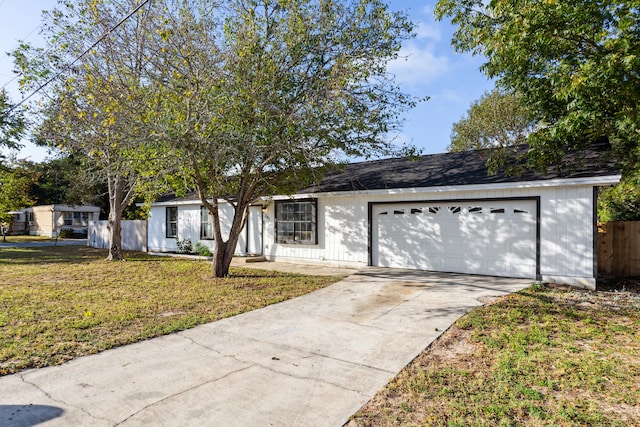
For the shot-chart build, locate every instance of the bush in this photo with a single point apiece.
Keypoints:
(622, 202)
(184, 246)
(202, 249)
(65, 233)
(70, 233)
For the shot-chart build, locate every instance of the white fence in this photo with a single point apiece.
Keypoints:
(134, 235)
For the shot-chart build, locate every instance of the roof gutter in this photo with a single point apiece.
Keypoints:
(558, 182)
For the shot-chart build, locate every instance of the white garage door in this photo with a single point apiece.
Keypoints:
(495, 238)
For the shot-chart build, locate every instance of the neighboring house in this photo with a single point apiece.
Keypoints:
(48, 220)
(440, 212)
(17, 224)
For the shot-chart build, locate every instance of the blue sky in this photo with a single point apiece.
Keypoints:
(429, 67)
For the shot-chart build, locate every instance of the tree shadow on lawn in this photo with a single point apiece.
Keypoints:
(50, 254)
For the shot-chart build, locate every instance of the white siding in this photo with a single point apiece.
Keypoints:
(567, 232)
(342, 234)
(188, 228)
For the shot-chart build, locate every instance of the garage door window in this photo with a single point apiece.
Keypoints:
(296, 222)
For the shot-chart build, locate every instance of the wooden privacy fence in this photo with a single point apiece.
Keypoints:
(619, 248)
(134, 235)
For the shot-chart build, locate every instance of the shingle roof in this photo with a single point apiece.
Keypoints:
(171, 197)
(446, 169)
(452, 169)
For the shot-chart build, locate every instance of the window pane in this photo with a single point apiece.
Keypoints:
(295, 222)
(172, 221)
(206, 223)
(206, 231)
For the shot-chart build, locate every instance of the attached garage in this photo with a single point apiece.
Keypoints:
(448, 213)
(497, 237)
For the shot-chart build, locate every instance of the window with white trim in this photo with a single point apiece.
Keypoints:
(68, 218)
(296, 222)
(172, 221)
(81, 218)
(206, 224)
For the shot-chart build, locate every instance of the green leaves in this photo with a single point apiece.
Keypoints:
(280, 85)
(14, 191)
(12, 123)
(575, 63)
(497, 119)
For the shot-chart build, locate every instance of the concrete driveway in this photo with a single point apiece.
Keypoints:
(310, 361)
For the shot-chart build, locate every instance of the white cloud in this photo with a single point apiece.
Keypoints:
(399, 139)
(427, 31)
(417, 64)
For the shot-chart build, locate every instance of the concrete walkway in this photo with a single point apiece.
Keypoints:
(310, 361)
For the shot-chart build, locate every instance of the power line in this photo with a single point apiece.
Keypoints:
(79, 57)
(22, 39)
(42, 54)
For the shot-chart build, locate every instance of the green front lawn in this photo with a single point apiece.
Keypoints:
(57, 303)
(541, 357)
(21, 238)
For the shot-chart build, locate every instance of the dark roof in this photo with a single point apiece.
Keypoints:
(172, 197)
(447, 169)
(463, 168)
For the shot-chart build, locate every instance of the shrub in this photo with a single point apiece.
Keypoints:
(184, 246)
(202, 249)
(70, 233)
(65, 233)
(622, 202)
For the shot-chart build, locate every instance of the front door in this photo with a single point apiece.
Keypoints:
(254, 230)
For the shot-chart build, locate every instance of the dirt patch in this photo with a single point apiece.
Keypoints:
(454, 343)
(625, 284)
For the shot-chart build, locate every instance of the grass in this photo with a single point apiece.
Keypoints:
(58, 303)
(24, 238)
(542, 357)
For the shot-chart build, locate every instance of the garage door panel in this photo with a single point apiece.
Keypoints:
(454, 264)
(496, 238)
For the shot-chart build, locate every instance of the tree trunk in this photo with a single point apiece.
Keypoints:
(115, 237)
(120, 194)
(223, 251)
(222, 256)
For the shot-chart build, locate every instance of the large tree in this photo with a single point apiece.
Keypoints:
(15, 185)
(259, 95)
(497, 119)
(95, 102)
(12, 124)
(576, 63)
